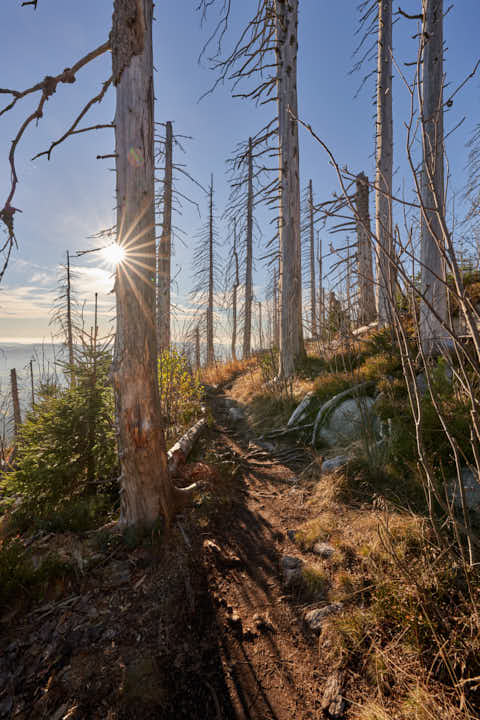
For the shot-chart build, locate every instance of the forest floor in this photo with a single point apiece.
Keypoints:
(197, 623)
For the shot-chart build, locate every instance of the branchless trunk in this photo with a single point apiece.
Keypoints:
(210, 349)
(433, 204)
(247, 328)
(198, 362)
(32, 383)
(165, 249)
(383, 190)
(146, 490)
(69, 319)
(321, 304)
(236, 283)
(260, 326)
(367, 310)
(313, 300)
(291, 334)
(17, 417)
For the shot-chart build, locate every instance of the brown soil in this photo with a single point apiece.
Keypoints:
(198, 625)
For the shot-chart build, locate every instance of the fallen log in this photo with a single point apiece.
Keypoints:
(178, 454)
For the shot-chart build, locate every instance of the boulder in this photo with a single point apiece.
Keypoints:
(335, 463)
(292, 570)
(314, 618)
(348, 421)
(323, 550)
(471, 486)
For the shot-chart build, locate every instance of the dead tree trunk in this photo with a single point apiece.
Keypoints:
(210, 348)
(198, 361)
(247, 328)
(17, 417)
(291, 334)
(32, 384)
(313, 301)
(276, 314)
(321, 305)
(146, 490)
(69, 320)
(236, 283)
(367, 309)
(383, 190)
(165, 249)
(434, 293)
(260, 328)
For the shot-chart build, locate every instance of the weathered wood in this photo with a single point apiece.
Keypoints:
(69, 320)
(210, 347)
(247, 326)
(236, 283)
(32, 383)
(180, 451)
(434, 292)
(165, 248)
(291, 334)
(198, 362)
(313, 289)
(367, 310)
(17, 416)
(146, 490)
(383, 185)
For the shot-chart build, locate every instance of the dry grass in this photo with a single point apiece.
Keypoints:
(224, 372)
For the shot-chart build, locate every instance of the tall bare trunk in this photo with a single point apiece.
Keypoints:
(146, 491)
(291, 334)
(260, 328)
(383, 190)
(17, 417)
(433, 265)
(321, 304)
(313, 300)
(198, 361)
(367, 310)
(32, 383)
(236, 283)
(165, 249)
(69, 319)
(276, 313)
(247, 328)
(210, 348)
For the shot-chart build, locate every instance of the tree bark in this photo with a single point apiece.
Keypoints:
(291, 333)
(17, 417)
(313, 300)
(247, 328)
(165, 249)
(276, 314)
(198, 362)
(69, 320)
(367, 310)
(236, 283)
(32, 384)
(433, 205)
(146, 490)
(210, 347)
(383, 191)
(321, 304)
(260, 326)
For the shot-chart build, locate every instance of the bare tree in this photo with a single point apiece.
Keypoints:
(434, 293)
(364, 252)
(17, 416)
(165, 249)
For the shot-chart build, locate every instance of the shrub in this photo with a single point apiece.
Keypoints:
(66, 450)
(180, 391)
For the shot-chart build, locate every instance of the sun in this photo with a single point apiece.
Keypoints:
(114, 254)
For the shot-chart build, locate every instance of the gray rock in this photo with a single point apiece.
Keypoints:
(299, 411)
(236, 414)
(324, 550)
(314, 618)
(348, 421)
(471, 486)
(335, 463)
(292, 570)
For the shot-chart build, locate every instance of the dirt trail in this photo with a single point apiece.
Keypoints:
(270, 660)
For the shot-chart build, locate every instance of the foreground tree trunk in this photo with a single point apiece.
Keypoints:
(165, 249)
(367, 310)
(146, 490)
(434, 292)
(383, 190)
(247, 328)
(291, 334)
(17, 417)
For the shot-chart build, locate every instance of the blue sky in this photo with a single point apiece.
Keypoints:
(71, 197)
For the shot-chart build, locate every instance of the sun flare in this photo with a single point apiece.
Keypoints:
(114, 254)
